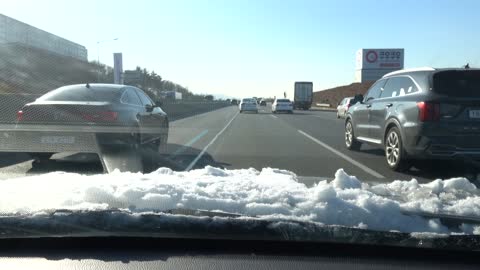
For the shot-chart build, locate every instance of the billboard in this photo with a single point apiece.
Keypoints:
(133, 77)
(117, 68)
(380, 59)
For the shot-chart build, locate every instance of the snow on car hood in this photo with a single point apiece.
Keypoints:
(267, 194)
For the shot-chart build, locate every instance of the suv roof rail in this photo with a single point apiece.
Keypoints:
(408, 70)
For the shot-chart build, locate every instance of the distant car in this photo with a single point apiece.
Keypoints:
(234, 102)
(248, 105)
(343, 106)
(282, 105)
(417, 115)
(263, 102)
(89, 118)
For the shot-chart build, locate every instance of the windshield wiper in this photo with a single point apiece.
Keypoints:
(449, 220)
(201, 224)
(66, 222)
(202, 213)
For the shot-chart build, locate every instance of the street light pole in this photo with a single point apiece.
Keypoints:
(98, 55)
(98, 47)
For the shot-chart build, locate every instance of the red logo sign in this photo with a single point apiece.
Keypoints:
(371, 56)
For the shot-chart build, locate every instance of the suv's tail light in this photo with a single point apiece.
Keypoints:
(19, 116)
(428, 111)
(107, 116)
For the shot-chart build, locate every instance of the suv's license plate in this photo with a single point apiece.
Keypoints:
(474, 113)
(57, 139)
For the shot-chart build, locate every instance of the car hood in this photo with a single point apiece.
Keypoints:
(270, 197)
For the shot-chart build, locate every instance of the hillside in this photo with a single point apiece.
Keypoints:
(334, 95)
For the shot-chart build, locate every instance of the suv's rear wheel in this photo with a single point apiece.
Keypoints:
(350, 141)
(394, 152)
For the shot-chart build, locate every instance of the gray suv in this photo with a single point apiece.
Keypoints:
(419, 114)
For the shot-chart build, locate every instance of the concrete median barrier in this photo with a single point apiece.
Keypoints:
(185, 109)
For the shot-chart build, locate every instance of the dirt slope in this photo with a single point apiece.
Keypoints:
(334, 95)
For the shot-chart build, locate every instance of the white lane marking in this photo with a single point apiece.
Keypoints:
(273, 116)
(190, 166)
(188, 144)
(328, 118)
(342, 155)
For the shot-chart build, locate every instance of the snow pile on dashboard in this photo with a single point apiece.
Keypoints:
(266, 194)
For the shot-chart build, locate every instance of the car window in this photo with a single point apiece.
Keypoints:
(248, 100)
(144, 98)
(129, 97)
(375, 90)
(464, 83)
(283, 101)
(398, 86)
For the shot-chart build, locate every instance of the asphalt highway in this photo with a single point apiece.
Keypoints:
(309, 143)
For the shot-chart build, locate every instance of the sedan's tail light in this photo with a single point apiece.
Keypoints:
(19, 116)
(107, 116)
(428, 111)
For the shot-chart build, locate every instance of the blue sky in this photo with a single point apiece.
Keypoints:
(247, 47)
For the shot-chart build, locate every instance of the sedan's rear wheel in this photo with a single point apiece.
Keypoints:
(350, 142)
(41, 157)
(394, 152)
(136, 142)
(160, 145)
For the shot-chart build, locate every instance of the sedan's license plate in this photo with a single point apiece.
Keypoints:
(474, 113)
(57, 139)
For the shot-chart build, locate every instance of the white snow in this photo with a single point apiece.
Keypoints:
(267, 194)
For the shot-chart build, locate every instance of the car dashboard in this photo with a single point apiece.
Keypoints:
(153, 253)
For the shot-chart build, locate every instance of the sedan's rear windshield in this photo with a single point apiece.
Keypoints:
(248, 100)
(457, 83)
(283, 101)
(82, 93)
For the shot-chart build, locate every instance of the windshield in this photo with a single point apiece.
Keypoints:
(83, 93)
(285, 114)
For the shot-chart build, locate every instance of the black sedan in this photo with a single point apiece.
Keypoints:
(88, 118)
